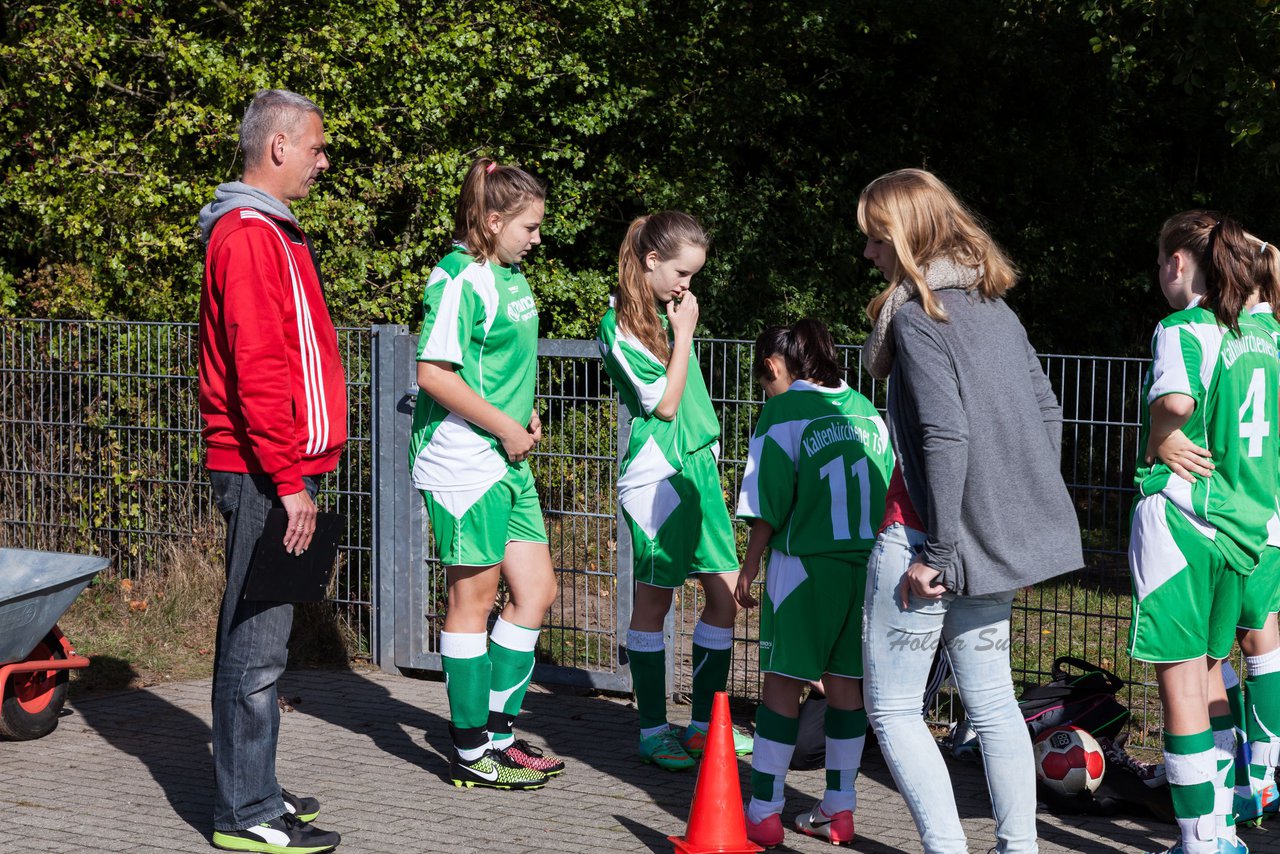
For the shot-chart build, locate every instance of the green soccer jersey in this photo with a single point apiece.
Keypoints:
(482, 319)
(817, 471)
(656, 448)
(1263, 313)
(1233, 381)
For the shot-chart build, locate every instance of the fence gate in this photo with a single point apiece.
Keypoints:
(575, 470)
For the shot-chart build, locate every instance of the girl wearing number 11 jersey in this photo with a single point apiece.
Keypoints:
(814, 488)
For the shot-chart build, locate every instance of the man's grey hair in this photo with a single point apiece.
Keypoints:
(270, 112)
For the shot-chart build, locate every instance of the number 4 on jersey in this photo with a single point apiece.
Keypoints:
(1257, 427)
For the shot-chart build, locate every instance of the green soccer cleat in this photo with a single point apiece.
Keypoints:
(694, 741)
(495, 770)
(664, 750)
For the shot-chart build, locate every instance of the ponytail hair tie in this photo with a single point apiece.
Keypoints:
(493, 164)
(1263, 247)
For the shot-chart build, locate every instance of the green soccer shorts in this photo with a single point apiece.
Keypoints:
(1186, 600)
(1261, 591)
(680, 525)
(811, 616)
(473, 527)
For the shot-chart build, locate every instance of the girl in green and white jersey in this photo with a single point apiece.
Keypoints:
(1209, 459)
(669, 483)
(474, 427)
(814, 491)
(1255, 704)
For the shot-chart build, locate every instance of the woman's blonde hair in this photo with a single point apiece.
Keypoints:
(922, 219)
(489, 188)
(664, 234)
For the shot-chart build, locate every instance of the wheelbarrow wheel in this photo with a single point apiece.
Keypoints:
(33, 701)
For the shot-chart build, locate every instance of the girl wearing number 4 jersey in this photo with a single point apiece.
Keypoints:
(1255, 704)
(474, 427)
(668, 482)
(1200, 527)
(814, 490)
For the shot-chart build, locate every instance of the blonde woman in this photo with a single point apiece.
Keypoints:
(977, 432)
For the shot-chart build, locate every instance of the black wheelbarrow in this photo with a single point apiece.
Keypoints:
(36, 588)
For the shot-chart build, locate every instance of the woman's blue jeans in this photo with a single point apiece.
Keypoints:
(899, 645)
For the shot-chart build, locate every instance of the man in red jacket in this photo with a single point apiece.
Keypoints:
(273, 402)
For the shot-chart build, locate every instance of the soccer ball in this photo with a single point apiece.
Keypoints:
(1068, 760)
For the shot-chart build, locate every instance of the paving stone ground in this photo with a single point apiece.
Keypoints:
(131, 772)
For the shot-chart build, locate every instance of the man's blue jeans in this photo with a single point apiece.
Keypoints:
(251, 653)
(899, 645)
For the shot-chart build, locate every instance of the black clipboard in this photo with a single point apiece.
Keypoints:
(277, 576)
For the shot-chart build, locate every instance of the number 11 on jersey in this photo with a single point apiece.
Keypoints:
(833, 473)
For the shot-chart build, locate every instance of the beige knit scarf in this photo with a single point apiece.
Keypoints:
(940, 274)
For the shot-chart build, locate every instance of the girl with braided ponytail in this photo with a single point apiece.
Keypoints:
(669, 486)
(1206, 509)
(474, 427)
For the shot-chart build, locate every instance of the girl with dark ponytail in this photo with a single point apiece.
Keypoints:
(814, 493)
(474, 427)
(1206, 476)
(669, 487)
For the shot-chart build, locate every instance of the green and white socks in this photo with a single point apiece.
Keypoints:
(775, 743)
(467, 673)
(1262, 717)
(1191, 764)
(511, 655)
(486, 683)
(712, 652)
(1224, 778)
(647, 654)
(1255, 709)
(1235, 702)
(846, 732)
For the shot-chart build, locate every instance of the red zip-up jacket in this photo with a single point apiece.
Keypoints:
(273, 394)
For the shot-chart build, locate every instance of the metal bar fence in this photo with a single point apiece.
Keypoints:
(574, 470)
(101, 450)
(1085, 614)
(101, 454)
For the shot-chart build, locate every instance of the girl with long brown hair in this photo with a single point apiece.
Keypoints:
(474, 427)
(669, 486)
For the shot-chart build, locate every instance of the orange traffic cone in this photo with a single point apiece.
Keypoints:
(716, 822)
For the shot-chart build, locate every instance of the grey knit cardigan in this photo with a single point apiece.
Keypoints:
(978, 434)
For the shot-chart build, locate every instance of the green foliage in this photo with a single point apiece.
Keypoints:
(1075, 127)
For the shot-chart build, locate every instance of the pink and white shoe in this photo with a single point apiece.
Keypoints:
(523, 753)
(767, 833)
(836, 829)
